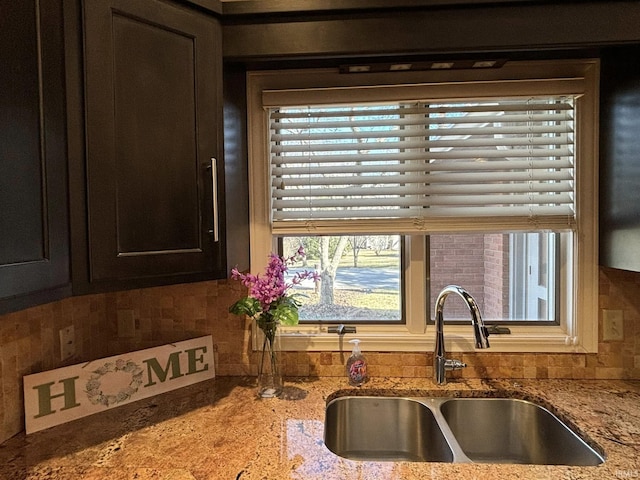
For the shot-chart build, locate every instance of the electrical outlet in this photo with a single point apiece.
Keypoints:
(126, 324)
(612, 325)
(67, 343)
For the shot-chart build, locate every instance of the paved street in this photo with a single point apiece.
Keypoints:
(361, 278)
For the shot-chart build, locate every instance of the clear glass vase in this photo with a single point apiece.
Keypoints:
(269, 360)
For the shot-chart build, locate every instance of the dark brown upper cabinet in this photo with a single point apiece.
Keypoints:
(153, 127)
(34, 237)
(620, 159)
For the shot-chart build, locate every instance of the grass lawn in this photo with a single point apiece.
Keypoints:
(369, 259)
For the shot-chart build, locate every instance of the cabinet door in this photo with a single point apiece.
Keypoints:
(34, 238)
(153, 126)
(620, 159)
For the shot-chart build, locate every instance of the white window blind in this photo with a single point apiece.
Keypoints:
(424, 161)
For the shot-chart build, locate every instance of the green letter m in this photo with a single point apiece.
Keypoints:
(153, 366)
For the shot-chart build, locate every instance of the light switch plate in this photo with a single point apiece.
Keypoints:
(612, 325)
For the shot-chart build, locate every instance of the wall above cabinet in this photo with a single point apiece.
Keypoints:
(287, 29)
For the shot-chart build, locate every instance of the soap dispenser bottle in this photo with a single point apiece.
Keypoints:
(356, 365)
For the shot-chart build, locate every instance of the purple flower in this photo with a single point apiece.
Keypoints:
(271, 288)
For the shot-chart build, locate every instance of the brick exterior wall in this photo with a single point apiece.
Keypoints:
(459, 260)
(480, 264)
(496, 276)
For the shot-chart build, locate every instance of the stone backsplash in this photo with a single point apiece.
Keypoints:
(29, 340)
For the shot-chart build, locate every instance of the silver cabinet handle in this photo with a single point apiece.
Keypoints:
(214, 190)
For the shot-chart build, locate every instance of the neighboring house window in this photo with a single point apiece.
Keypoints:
(398, 184)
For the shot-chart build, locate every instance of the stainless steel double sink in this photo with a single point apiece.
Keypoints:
(460, 430)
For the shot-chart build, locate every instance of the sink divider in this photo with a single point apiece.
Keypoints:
(434, 404)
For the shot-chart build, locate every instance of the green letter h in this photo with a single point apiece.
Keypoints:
(45, 397)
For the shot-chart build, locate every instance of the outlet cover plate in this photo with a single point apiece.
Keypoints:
(126, 324)
(612, 325)
(67, 343)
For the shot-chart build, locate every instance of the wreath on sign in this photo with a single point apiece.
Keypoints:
(94, 387)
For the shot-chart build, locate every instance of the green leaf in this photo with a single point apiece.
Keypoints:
(294, 299)
(286, 314)
(246, 306)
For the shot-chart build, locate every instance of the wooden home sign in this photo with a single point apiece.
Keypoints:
(64, 394)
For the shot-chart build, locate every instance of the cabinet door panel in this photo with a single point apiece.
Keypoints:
(34, 238)
(154, 139)
(620, 160)
(22, 166)
(153, 115)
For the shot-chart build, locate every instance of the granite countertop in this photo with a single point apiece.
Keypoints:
(218, 429)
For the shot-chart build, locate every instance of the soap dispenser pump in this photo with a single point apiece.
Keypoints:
(356, 365)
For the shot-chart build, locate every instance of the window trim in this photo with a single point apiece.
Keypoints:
(578, 328)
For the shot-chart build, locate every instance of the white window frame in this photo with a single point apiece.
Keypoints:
(577, 331)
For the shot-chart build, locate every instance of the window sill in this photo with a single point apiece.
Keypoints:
(457, 339)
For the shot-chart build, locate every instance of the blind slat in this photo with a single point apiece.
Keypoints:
(358, 120)
(440, 201)
(451, 178)
(414, 120)
(408, 165)
(504, 130)
(442, 140)
(449, 153)
(449, 189)
(503, 106)
(407, 162)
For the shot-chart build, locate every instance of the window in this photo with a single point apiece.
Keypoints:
(361, 278)
(513, 276)
(485, 178)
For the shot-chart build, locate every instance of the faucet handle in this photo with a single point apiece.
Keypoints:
(481, 333)
(450, 364)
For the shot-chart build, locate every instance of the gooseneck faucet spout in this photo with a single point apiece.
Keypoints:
(440, 363)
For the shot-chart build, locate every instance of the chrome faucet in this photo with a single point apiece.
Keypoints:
(440, 363)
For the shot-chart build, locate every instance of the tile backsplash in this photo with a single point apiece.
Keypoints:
(29, 341)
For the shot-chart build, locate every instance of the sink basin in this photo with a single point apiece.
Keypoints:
(384, 428)
(460, 430)
(505, 430)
